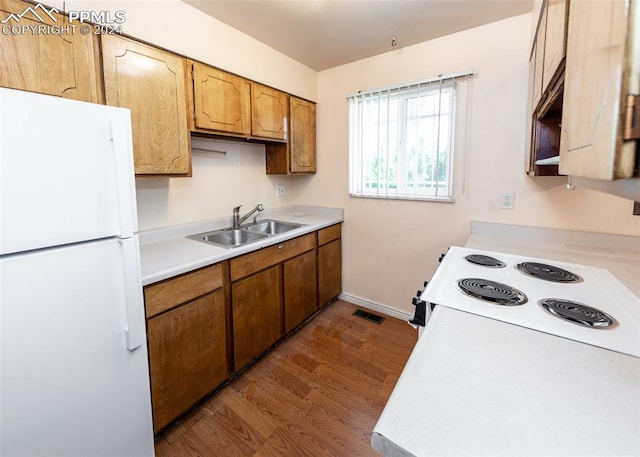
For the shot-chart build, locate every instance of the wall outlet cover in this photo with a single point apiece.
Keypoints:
(507, 200)
(279, 191)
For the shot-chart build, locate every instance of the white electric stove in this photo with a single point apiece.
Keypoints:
(578, 302)
(518, 356)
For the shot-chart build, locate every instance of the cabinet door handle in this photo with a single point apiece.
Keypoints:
(281, 246)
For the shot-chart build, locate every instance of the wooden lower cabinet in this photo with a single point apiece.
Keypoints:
(329, 264)
(205, 325)
(187, 355)
(300, 289)
(272, 291)
(257, 314)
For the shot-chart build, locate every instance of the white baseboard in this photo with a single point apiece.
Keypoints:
(375, 307)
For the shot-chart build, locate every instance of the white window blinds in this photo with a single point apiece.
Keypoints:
(401, 140)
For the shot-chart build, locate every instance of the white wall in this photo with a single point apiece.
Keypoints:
(390, 247)
(218, 184)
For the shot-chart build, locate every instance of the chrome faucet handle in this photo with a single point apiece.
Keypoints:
(236, 216)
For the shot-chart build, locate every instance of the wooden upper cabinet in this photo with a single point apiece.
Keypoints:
(546, 89)
(65, 65)
(549, 49)
(538, 61)
(555, 42)
(152, 83)
(302, 136)
(599, 74)
(269, 112)
(221, 101)
(299, 154)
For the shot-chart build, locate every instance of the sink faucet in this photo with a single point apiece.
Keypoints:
(237, 220)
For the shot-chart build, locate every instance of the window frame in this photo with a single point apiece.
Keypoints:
(402, 186)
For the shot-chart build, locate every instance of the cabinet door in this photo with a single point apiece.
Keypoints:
(538, 61)
(152, 84)
(329, 271)
(187, 355)
(302, 137)
(257, 314)
(269, 112)
(221, 101)
(298, 155)
(597, 80)
(65, 65)
(555, 43)
(300, 289)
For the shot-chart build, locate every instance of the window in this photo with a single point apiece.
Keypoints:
(401, 140)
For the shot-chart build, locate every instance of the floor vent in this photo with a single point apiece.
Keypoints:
(368, 316)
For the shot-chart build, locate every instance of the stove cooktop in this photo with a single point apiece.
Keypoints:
(578, 302)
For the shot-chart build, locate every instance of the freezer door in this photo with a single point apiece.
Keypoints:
(69, 384)
(66, 172)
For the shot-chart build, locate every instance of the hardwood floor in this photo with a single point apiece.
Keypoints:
(319, 393)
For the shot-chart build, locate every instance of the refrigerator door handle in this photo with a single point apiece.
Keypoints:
(120, 135)
(135, 325)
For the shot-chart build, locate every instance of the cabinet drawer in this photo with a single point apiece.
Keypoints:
(250, 263)
(329, 234)
(165, 295)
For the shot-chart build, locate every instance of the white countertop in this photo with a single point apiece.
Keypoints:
(167, 252)
(509, 391)
(477, 386)
(620, 254)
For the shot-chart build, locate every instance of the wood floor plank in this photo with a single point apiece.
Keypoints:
(263, 423)
(318, 394)
(359, 421)
(288, 442)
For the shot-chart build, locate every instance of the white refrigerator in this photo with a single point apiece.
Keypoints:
(74, 376)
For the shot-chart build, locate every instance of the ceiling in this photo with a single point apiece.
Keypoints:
(326, 33)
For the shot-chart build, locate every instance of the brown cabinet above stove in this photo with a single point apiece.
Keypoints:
(584, 116)
(603, 57)
(546, 87)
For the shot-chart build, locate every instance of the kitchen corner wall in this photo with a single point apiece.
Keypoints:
(219, 182)
(391, 247)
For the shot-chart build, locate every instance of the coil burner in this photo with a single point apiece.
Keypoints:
(577, 313)
(492, 291)
(485, 261)
(547, 272)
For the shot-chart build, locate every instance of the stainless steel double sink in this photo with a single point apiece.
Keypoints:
(232, 237)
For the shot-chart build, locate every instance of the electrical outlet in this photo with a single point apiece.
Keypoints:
(507, 200)
(279, 191)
